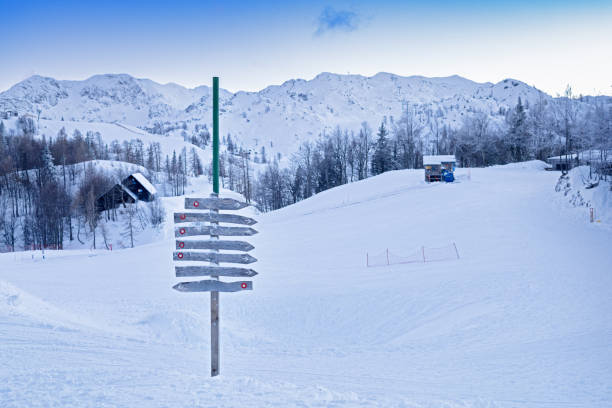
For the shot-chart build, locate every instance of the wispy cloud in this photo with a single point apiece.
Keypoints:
(336, 20)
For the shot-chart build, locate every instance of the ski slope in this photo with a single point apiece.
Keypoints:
(522, 319)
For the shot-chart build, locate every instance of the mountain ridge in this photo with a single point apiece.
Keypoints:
(279, 115)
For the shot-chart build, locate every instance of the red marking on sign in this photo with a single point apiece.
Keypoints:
(182, 231)
(243, 285)
(182, 216)
(180, 255)
(181, 245)
(196, 204)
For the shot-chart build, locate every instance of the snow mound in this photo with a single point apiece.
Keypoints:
(16, 303)
(526, 165)
(176, 327)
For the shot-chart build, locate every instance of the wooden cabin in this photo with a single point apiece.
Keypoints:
(439, 165)
(133, 188)
(597, 158)
(116, 196)
(140, 186)
(563, 163)
(8, 114)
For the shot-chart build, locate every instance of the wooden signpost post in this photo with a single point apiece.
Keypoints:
(203, 218)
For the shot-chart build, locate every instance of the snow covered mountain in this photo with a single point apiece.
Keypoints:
(101, 98)
(283, 115)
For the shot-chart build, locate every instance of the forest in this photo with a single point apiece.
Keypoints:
(49, 187)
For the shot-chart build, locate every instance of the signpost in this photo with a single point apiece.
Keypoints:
(214, 257)
(202, 223)
(196, 217)
(213, 203)
(213, 285)
(213, 230)
(215, 244)
(183, 271)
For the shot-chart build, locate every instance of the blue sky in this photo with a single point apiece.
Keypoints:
(254, 44)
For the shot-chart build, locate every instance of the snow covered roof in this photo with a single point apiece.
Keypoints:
(563, 157)
(145, 183)
(439, 159)
(127, 190)
(591, 155)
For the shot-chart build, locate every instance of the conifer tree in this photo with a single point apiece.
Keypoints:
(382, 160)
(47, 171)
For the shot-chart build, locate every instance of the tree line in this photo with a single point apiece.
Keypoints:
(525, 132)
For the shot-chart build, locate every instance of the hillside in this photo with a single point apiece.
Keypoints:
(277, 117)
(521, 319)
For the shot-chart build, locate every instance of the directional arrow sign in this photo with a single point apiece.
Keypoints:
(204, 217)
(214, 203)
(213, 286)
(182, 271)
(214, 244)
(214, 257)
(208, 230)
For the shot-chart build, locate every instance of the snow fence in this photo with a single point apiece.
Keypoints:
(419, 255)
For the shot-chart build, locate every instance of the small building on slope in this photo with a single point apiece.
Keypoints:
(133, 188)
(596, 158)
(439, 167)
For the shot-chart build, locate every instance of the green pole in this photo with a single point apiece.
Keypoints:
(216, 135)
(214, 296)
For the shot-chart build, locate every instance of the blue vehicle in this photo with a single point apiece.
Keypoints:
(448, 176)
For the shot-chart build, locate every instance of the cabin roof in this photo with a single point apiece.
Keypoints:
(439, 159)
(145, 183)
(127, 190)
(592, 155)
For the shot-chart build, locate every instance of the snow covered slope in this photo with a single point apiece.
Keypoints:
(581, 189)
(121, 132)
(520, 320)
(116, 131)
(285, 115)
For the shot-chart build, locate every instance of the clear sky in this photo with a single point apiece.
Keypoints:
(252, 44)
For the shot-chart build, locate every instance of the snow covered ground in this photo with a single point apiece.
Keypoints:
(522, 319)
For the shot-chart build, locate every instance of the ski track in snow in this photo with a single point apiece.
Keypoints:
(521, 320)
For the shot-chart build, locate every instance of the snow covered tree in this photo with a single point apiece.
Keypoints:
(541, 129)
(134, 222)
(47, 170)
(519, 136)
(26, 126)
(157, 214)
(8, 224)
(407, 131)
(382, 160)
(195, 163)
(364, 146)
(150, 162)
